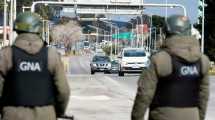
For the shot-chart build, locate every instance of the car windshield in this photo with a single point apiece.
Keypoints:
(134, 53)
(86, 43)
(101, 58)
(114, 62)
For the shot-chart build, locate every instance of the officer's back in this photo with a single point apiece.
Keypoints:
(175, 86)
(33, 81)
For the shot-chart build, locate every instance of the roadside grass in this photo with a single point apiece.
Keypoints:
(212, 71)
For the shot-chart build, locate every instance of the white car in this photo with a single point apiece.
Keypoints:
(133, 60)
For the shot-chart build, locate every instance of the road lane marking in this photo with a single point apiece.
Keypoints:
(99, 97)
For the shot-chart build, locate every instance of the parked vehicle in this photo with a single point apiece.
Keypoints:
(100, 64)
(86, 45)
(133, 60)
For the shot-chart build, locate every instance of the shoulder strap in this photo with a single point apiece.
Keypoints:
(163, 63)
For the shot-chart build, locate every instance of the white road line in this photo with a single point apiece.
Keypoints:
(99, 97)
(83, 75)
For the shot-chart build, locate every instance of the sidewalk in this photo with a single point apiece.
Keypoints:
(211, 105)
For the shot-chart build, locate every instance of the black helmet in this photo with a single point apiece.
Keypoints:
(178, 25)
(28, 22)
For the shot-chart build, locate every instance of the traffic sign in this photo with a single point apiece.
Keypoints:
(124, 36)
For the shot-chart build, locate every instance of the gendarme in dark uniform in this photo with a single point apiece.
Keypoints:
(33, 84)
(176, 85)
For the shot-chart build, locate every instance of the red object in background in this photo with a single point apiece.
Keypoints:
(143, 28)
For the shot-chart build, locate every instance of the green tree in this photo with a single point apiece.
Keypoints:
(210, 29)
(158, 21)
(1, 5)
(107, 49)
(44, 11)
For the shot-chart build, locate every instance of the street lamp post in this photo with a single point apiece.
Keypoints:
(141, 23)
(137, 27)
(11, 21)
(45, 31)
(132, 31)
(166, 10)
(150, 41)
(203, 26)
(117, 38)
(5, 23)
(111, 47)
(155, 41)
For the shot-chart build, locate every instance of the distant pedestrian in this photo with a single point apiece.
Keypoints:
(176, 85)
(33, 84)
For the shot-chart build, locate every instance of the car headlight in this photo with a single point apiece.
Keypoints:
(94, 65)
(124, 63)
(109, 65)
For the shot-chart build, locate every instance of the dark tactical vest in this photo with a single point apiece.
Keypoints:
(29, 83)
(181, 88)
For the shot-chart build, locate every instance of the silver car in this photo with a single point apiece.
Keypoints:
(100, 64)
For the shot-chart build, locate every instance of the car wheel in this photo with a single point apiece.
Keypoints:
(92, 72)
(121, 73)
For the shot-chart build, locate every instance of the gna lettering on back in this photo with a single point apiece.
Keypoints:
(189, 70)
(29, 66)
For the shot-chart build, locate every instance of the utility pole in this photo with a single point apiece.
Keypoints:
(115, 41)
(201, 14)
(11, 21)
(150, 41)
(155, 41)
(5, 23)
(166, 10)
(141, 24)
(203, 25)
(111, 47)
(45, 31)
(137, 29)
(47, 34)
(132, 32)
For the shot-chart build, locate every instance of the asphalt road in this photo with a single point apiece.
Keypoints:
(80, 65)
(108, 93)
